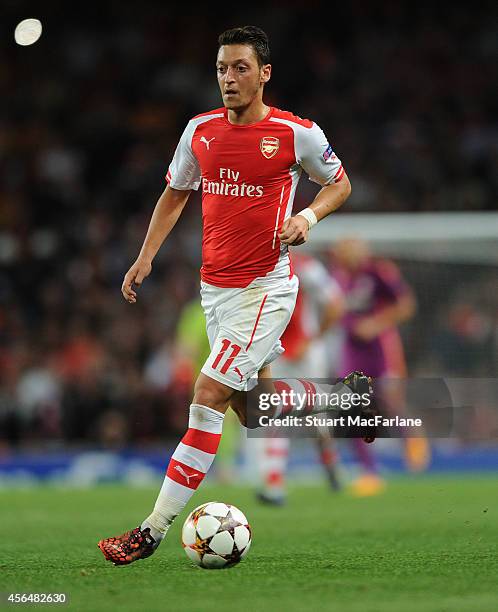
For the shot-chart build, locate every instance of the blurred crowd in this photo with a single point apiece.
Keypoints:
(90, 118)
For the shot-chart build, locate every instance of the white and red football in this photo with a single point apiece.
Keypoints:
(216, 535)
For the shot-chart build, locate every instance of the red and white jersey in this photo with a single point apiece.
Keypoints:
(249, 176)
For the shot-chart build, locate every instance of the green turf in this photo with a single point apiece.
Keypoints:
(427, 545)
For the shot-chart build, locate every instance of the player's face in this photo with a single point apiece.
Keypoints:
(352, 253)
(240, 77)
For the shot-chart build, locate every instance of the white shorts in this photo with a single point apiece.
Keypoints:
(244, 328)
(313, 364)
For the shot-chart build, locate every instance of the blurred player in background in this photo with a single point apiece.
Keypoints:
(248, 157)
(378, 300)
(319, 306)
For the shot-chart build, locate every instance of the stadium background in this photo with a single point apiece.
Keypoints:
(91, 115)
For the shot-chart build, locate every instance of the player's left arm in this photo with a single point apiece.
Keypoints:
(391, 316)
(295, 230)
(316, 156)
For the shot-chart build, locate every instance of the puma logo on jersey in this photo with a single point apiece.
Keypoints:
(207, 142)
(181, 471)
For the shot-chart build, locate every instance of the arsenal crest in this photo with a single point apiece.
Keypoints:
(269, 146)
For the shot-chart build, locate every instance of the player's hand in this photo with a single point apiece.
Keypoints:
(294, 231)
(367, 329)
(135, 275)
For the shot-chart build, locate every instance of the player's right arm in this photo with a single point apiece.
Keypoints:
(184, 174)
(168, 208)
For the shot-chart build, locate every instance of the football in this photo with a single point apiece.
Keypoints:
(216, 535)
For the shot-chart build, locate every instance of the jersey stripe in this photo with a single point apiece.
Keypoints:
(339, 174)
(278, 217)
(257, 321)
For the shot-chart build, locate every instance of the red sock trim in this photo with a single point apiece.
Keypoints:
(184, 474)
(275, 479)
(202, 440)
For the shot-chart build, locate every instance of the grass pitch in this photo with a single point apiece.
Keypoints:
(426, 544)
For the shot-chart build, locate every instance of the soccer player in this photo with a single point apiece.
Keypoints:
(248, 157)
(378, 301)
(319, 306)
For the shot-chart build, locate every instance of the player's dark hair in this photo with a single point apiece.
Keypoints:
(248, 35)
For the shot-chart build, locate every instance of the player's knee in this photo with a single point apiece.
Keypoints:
(211, 393)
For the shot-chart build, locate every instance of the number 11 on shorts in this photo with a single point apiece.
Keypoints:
(225, 345)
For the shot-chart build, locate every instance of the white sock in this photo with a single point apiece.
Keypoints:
(188, 466)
